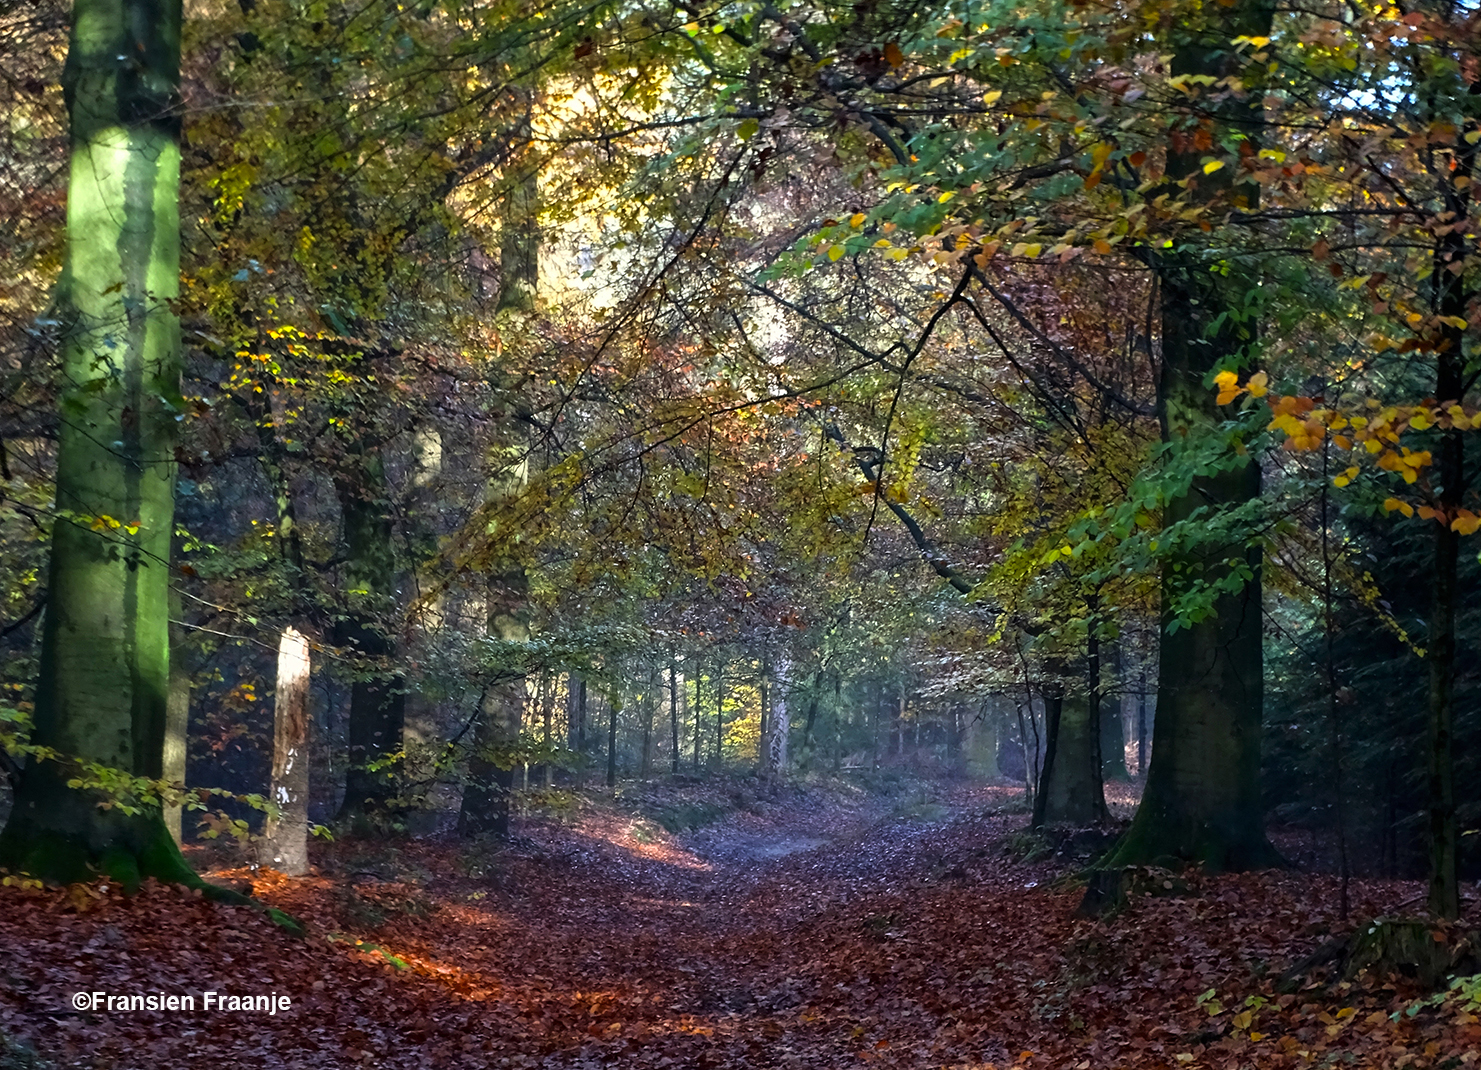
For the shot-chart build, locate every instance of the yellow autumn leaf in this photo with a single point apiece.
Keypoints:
(1212, 166)
(948, 195)
(1466, 523)
(856, 220)
(992, 98)
(1258, 385)
(1242, 1020)
(1032, 250)
(1391, 504)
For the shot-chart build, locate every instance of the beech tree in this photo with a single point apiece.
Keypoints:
(103, 691)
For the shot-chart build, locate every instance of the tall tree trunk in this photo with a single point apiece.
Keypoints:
(103, 686)
(649, 710)
(780, 726)
(698, 709)
(674, 715)
(1452, 298)
(547, 702)
(519, 239)
(176, 744)
(764, 689)
(287, 836)
(576, 705)
(1112, 726)
(1202, 798)
(372, 802)
(810, 727)
(1141, 725)
(720, 714)
(486, 800)
(614, 707)
(490, 788)
(970, 735)
(1070, 790)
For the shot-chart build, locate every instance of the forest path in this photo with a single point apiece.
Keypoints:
(813, 930)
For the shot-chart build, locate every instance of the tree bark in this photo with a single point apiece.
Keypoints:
(490, 788)
(287, 836)
(103, 685)
(698, 710)
(780, 726)
(674, 715)
(614, 704)
(1112, 727)
(1070, 791)
(649, 711)
(1202, 799)
(719, 715)
(519, 240)
(486, 797)
(1141, 725)
(372, 801)
(1452, 299)
(176, 743)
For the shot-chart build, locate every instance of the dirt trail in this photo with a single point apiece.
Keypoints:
(814, 931)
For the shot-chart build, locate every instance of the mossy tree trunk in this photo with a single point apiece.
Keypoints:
(103, 689)
(1202, 798)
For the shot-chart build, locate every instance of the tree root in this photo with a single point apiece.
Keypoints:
(1421, 950)
(1108, 891)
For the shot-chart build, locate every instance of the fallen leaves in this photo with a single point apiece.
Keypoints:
(868, 937)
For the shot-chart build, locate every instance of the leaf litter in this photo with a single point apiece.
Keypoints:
(817, 929)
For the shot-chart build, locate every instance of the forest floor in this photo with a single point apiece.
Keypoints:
(821, 926)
